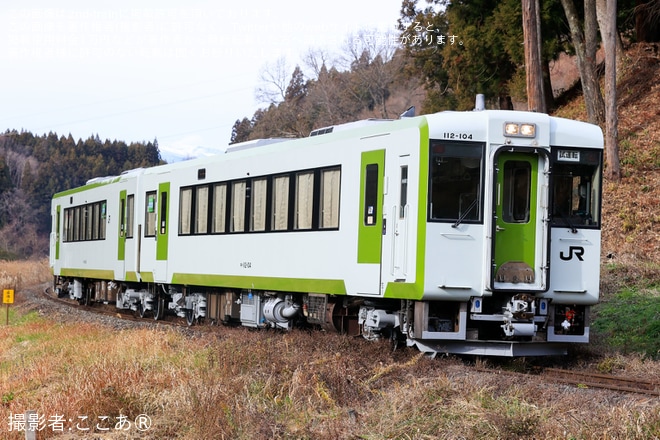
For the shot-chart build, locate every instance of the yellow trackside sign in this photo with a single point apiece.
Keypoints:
(8, 296)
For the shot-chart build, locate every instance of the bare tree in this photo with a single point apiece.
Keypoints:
(274, 81)
(585, 43)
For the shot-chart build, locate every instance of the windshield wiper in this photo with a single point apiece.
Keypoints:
(465, 213)
(568, 221)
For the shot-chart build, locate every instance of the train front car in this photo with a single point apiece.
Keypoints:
(512, 242)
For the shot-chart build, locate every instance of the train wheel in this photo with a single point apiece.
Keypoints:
(141, 311)
(159, 311)
(190, 316)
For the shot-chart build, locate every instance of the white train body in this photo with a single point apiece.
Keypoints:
(442, 230)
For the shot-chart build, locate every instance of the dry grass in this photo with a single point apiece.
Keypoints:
(243, 384)
(16, 274)
(267, 385)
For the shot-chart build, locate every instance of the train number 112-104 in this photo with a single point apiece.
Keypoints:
(459, 136)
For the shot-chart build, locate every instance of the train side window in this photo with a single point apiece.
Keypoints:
(87, 223)
(280, 205)
(150, 215)
(330, 186)
(96, 221)
(258, 193)
(104, 217)
(202, 209)
(219, 207)
(76, 224)
(238, 195)
(67, 222)
(304, 202)
(455, 181)
(185, 211)
(371, 195)
(130, 215)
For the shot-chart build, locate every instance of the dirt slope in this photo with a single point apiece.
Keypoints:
(631, 207)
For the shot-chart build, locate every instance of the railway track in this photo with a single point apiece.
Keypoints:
(580, 379)
(111, 311)
(605, 381)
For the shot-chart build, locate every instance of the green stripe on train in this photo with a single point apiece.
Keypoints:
(98, 274)
(334, 287)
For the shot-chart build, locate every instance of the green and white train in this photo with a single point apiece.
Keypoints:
(458, 232)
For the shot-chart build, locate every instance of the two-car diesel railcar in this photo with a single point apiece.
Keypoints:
(458, 232)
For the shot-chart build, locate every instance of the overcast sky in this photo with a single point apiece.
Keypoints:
(136, 70)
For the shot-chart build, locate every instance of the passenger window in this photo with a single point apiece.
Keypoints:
(239, 191)
(150, 215)
(304, 200)
(185, 211)
(258, 208)
(219, 207)
(130, 215)
(202, 209)
(280, 206)
(330, 180)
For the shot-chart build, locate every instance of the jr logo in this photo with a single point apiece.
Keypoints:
(578, 251)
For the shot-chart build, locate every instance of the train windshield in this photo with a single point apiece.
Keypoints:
(576, 187)
(455, 182)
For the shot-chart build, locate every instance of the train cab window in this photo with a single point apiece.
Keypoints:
(304, 203)
(238, 195)
(258, 197)
(201, 209)
(330, 183)
(576, 187)
(150, 215)
(517, 187)
(130, 215)
(280, 203)
(455, 181)
(219, 216)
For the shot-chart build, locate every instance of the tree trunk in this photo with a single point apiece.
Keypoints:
(586, 62)
(601, 14)
(611, 121)
(534, 69)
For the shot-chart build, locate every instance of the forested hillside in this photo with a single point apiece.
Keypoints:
(33, 168)
(445, 53)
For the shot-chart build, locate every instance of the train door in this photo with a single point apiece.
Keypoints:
(399, 218)
(162, 232)
(372, 223)
(120, 267)
(55, 237)
(519, 255)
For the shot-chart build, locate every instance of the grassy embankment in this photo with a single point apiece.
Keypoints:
(242, 384)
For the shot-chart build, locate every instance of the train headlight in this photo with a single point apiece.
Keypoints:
(515, 129)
